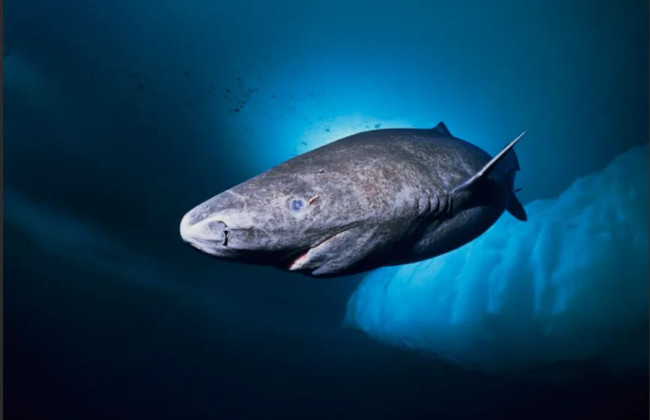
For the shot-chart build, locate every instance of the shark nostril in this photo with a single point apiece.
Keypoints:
(219, 230)
(217, 226)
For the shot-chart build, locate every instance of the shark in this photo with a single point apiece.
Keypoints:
(376, 198)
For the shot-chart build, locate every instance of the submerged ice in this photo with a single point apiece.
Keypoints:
(571, 284)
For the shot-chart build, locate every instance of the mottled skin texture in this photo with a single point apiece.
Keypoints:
(381, 197)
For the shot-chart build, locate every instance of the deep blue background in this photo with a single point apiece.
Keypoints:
(120, 116)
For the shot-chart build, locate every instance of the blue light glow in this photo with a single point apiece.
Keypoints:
(571, 284)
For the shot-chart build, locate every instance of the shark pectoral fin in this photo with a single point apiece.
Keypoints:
(333, 255)
(505, 162)
(344, 253)
(502, 166)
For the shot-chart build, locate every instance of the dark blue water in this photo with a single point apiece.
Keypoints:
(121, 116)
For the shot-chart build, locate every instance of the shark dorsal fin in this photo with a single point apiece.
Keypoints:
(442, 129)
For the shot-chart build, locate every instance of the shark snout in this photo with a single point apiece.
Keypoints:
(231, 227)
(209, 234)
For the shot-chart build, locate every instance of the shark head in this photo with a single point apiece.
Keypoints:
(298, 219)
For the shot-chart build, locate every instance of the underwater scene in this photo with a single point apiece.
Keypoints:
(325, 209)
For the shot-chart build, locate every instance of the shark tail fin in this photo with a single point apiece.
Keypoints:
(502, 166)
(515, 207)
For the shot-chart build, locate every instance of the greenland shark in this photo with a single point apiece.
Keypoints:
(376, 198)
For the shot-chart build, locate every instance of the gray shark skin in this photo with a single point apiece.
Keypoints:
(376, 198)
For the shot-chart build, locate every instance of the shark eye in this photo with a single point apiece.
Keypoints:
(296, 204)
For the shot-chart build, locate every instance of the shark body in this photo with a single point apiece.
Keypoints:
(376, 198)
